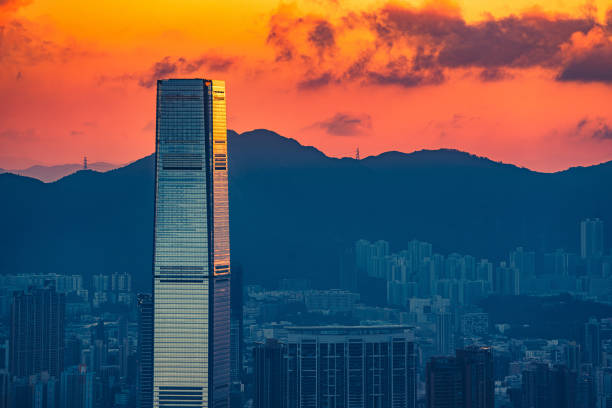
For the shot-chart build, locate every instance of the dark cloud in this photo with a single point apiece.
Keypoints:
(494, 74)
(346, 124)
(14, 135)
(171, 66)
(279, 32)
(588, 58)
(322, 36)
(77, 133)
(595, 66)
(594, 128)
(408, 73)
(315, 82)
(420, 46)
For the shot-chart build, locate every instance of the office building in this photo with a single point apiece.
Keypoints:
(236, 337)
(270, 374)
(191, 261)
(144, 397)
(37, 332)
(76, 388)
(476, 365)
(546, 387)
(339, 366)
(591, 238)
(444, 386)
(461, 381)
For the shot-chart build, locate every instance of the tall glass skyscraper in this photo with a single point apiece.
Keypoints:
(191, 265)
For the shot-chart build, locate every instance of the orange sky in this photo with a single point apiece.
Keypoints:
(529, 84)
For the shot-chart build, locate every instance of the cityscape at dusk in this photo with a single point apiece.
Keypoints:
(323, 203)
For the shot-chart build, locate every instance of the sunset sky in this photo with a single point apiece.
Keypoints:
(528, 84)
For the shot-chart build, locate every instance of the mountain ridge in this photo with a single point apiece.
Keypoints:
(441, 156)
(293, 210)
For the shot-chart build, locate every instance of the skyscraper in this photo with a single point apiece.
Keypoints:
(76, 388)
(444, 385)
(591, 238)
(463, 381)
(145, 351)
(236, 337)
(476, 364)
(592, 342)
(191, 262)
(270, 374)
(37, 333)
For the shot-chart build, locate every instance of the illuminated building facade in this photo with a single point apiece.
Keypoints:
(191, 265)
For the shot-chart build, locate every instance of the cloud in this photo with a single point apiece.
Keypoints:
(322, 36)
(24, 44)
(13, 135)
(494, 74)
(171, 66)
(315, 82)
(10, 6)
(149, 126)
(594, 128)
(280, 26)
(346, 124)
(401, 45)
(77, 133)
(588, 57)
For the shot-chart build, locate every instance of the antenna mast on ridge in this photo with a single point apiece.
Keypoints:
(84, 162)
(357, 154)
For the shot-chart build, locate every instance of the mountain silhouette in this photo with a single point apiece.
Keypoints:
(53, 173)
(293, 210)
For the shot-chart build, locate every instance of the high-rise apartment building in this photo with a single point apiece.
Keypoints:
(591, 238)
(445, 344)
(592, 342)
(37, 332)
(191, 265)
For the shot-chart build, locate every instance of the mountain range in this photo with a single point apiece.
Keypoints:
(293, 210)
(53, 173)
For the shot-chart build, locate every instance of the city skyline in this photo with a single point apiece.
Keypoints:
(381, 76)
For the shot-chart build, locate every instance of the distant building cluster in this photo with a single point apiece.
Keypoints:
(64, 347)
(410, 328)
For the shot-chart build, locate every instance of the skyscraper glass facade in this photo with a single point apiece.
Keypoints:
(191, 246)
